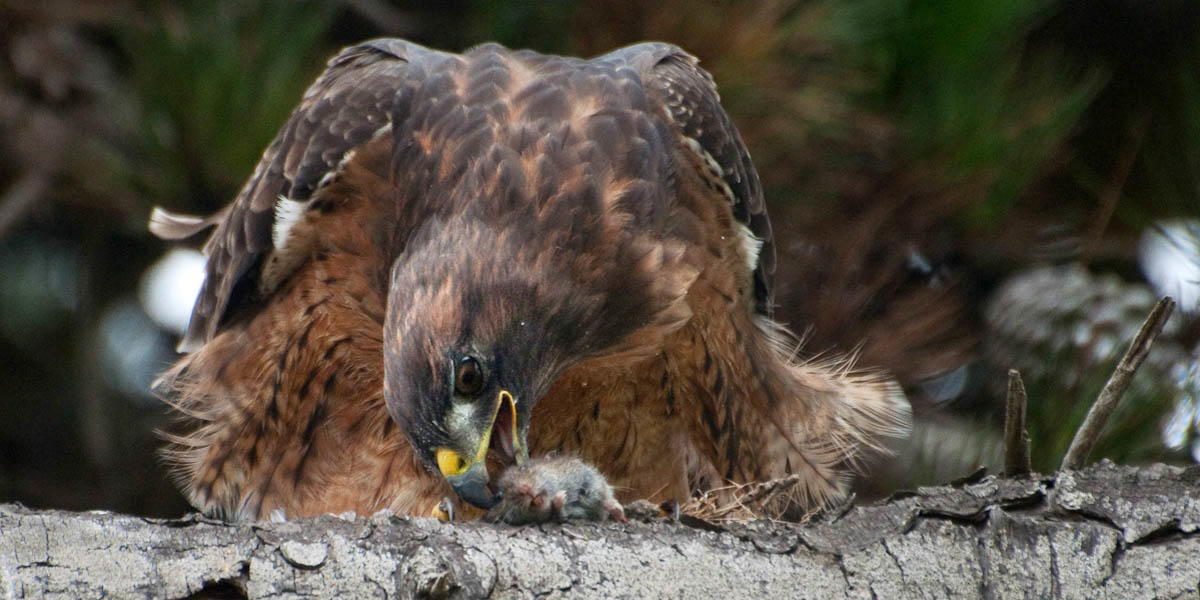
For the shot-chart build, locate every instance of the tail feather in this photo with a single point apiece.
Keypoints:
(832, 412)
(174, 226)
(812, 423)
(217, 423)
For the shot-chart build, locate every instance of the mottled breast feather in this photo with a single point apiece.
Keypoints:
(368, 87)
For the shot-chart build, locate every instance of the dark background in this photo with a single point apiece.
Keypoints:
(957, 188)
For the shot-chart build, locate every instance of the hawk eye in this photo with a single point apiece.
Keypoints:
(468, 377)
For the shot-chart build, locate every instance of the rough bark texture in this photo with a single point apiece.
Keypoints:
(1106, 531)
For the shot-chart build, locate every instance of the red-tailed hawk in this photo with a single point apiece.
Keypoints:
(445, 264)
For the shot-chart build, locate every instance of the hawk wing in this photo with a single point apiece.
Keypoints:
(353, 101)
(689, 95)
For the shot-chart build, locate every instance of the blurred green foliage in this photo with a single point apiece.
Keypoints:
(540, 24)
(213, 82)
(968, 93)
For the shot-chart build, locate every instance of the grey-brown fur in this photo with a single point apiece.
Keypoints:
(554, 488)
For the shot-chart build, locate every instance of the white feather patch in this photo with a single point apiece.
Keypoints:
(382, 131)
(332, 175)
(287, 214)
(714, 173)
(751, 246)
(694, 145)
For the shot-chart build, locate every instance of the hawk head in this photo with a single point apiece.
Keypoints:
(483, 316)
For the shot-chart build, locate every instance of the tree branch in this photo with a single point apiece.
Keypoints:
(1107, 531)
(1016, 438)
(1085, 438)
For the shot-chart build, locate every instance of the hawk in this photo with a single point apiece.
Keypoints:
(444, 265)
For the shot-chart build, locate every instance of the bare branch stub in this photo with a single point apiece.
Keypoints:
(1089, 432)
(1016, 439)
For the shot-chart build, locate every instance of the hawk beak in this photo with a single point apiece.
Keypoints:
(472, 486)
(512, 443)
(469, 477)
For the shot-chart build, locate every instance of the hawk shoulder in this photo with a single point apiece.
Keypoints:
(352, 102)
(689, 96)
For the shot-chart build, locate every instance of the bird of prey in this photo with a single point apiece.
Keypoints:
(445, 264)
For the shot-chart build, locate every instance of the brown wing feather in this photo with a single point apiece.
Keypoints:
(353, 100)
(689, 95)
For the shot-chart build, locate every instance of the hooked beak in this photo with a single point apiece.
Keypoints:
(472, 486)
(469, 475)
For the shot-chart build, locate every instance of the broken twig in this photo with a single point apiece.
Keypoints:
(1118, 382)
(1016, 438)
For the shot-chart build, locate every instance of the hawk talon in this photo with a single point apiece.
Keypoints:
(444, 510)
(671, 508)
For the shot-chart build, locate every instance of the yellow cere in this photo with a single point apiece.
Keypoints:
(450, 463)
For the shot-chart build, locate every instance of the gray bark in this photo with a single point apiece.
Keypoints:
(1106, 531)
